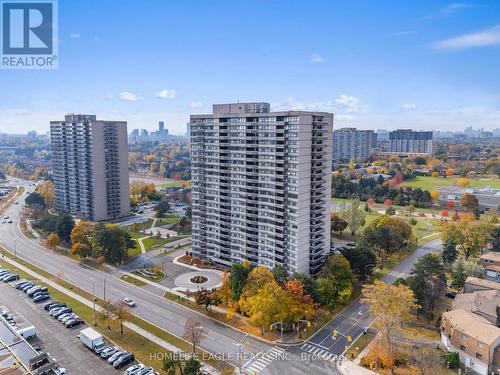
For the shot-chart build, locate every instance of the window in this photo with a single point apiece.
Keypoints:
(462, 347)
(479, 355)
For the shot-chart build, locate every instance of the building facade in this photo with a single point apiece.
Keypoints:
(90, 167)
(261, 186)
(350, 143)
(407, 141)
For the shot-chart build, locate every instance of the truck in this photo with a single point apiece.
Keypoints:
(27, 333)
(91, 339)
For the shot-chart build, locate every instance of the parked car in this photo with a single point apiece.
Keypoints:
(52, 305)
(115, 356)
(134, 369)
(63, 311)
(123, 360)
(10, 278)
(19, 284)
(73, 323)
(109, 351)
(450, 294)
(41, 298)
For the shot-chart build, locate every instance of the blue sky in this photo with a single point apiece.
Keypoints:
(374, 63)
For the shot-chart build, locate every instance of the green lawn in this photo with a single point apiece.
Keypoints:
(135, 251)
(150, 243)
(432, 183)
(132, 280)
(175, 183)
(168, 220)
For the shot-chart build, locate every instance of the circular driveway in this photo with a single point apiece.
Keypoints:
(214, 279)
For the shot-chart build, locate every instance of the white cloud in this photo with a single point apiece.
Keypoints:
(166, 94)
(345, 117)
(349, 103)
(317, 58)
(448, 10)
(196, 104)
(484, 38)
(343, 103)
(129, 96)
(409, 106)
(109, 95)
(74, 35)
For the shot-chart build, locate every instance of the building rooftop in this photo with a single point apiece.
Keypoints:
(487, 284)
(483, 302)
(472, 325)
(491, 256)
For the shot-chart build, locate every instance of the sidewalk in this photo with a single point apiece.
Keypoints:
(347, 367)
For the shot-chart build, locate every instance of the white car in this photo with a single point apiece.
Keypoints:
(129, 301)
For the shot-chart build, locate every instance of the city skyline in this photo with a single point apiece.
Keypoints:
(421, 65)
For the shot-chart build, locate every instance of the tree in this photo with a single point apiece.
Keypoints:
(427, 281)
(390, 305)
(35, 199)
(463, 182)
(172, 365)
(207, 298)
(280, 274)
(337, 269)
(470, 237)
(337, 224)
(390, 211)
(469, 202)
(53, 240)
(107, 312)
(225, 293)
(450, 204)
(435, 196)
(353, 215)
(449, 253)
(449, 172)
(121, 311)
(46, 190)
(388, 203)
(194, 333)
(257, 278)
(82, 250)
(462, 270)
(162, 207)
(310, 285)
(300, 304)
(362, 260)
(113, 242)
(64, 226)
(411, 209)
(325, 292)
(238, 278)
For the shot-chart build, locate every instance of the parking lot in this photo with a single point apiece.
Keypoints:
(60, 343)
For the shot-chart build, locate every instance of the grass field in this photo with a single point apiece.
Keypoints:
(150, 243)
(432, 183)
(175, 183)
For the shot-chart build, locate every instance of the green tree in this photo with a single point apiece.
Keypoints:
(449, 253)
(325, 292)
(238, 278)
(428, 281)
(337, 224)
(280, 274)
(64, 226)
(35, 199)
(309, 285)
(353, 215)
(337, 269)
(361, 259)
(162, 207)
(113, 242)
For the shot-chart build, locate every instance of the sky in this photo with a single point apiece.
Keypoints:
(376, 64)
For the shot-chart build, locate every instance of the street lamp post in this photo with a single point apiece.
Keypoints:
(240, 345)
(15, 249)
(93, 300)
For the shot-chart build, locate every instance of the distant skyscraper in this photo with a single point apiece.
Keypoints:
(350, 143)
(161, 126)
(407, 141)
(261, 186)
(90, 167)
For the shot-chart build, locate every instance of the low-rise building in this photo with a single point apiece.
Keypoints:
(488, 198)
(475, 339)
(485, 303)
(474, 283)
(491, 265)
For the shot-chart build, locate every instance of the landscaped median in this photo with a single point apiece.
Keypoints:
(133, 340)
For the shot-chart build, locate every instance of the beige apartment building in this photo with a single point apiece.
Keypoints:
(261, 186)
(90, 167)
(474, 338)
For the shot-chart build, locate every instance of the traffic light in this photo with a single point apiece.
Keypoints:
(309, 324)
(334, 333)
(349, 338)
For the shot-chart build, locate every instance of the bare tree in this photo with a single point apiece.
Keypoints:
(107, 312)
(121, 312)
(194, 333)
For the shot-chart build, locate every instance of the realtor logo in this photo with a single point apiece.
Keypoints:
(29, 34)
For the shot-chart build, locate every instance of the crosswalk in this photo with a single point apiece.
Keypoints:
(319, 352)
(255, 366)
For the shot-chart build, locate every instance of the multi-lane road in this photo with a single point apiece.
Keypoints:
(315, 356)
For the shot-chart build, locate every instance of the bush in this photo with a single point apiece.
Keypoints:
(390, 211)
(412, 221)
(453, 359)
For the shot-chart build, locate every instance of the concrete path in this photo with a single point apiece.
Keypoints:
(346, 367)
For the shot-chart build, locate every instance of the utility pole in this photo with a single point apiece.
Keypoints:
(15, 249)
(104, 292)
(93, 300)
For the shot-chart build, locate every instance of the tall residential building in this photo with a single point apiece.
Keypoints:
(350, 143)
(407, 141)
(261, 186)
(90, 167)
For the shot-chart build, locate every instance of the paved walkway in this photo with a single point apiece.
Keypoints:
(346, 367)
(183, 282)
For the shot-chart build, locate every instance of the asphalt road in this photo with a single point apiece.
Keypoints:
(220, 339)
